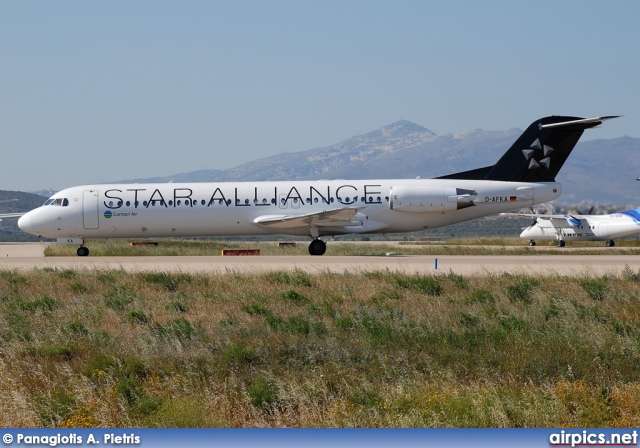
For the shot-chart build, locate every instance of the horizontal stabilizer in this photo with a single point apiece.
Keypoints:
(585, 121)
(10, 215)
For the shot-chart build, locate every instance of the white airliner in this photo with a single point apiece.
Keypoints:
(562, 228)
(524, 175)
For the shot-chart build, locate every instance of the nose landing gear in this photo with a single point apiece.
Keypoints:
(82, 251)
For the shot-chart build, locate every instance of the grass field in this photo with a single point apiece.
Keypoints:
(380, 349)
(464, 246)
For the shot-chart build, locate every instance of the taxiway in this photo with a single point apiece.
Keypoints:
(31, 256)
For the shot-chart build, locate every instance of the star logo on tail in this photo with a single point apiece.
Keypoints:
(543, 153)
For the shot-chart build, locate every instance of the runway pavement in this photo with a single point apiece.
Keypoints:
(31, 256)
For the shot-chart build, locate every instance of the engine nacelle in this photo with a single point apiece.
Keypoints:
(425, 199)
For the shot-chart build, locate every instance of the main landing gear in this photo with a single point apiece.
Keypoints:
(610, 243)
(532, 243)
(82, 251)
(317, 247)
(561, 243)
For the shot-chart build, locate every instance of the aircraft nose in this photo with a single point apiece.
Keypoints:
(25, 223)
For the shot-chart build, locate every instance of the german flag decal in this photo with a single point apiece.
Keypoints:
(512, 199)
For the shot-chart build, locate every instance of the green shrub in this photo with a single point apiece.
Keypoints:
(522, 291)
(138, 317)
(168, 281)
(275, 322)
(44, 303)
(295, 297)
(99, 362)
(118, 297)
(345, 323)
(319, 328)
(297, 277)
(480, 296)
(299, 324)
(467, 320)
(55, 406)
(256, 308)
(630, 274)
(56, 351)
(263, 393)
(67, 273)
(78, 328)
(109, 277)
(177, 307)
(78, 287)
(597, 289)
(427, 284)
(238, 353)
(511, 323)
(13, 278)
(458, 280)
(385, 295)
(129, 389)
(552, 311)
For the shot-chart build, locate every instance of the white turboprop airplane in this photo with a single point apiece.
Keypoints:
(562, 228)
(524, 175)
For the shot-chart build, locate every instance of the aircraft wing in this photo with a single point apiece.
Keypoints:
(339, 217)
(10, 215)
(556, 220)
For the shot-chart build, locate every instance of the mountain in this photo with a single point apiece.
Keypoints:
(598, 171)
(603, 171)
(17, 202)
(399, 150)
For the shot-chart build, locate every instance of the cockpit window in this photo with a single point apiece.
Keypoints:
(64, 202)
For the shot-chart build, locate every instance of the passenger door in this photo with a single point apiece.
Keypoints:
(90, 209)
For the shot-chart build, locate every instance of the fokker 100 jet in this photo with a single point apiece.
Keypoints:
(524, 176)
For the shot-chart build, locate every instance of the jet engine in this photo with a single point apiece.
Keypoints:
(425, 199)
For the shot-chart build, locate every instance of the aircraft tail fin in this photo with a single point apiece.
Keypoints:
(538, 154)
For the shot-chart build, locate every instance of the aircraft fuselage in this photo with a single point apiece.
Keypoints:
(235, 209)
(589, 227)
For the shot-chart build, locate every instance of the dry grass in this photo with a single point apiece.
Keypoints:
(466, 246)
(116, 349)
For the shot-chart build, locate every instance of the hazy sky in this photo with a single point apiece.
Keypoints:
(102, 91)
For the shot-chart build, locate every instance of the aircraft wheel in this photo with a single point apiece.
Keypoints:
(610, 243)
(561, 243)
(317, 247)
(83, 251)
(532, 243)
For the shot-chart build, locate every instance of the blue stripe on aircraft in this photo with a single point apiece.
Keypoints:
(574, 222)
(635, 214)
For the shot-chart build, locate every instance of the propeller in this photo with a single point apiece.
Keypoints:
(535, 220)
(589, 212)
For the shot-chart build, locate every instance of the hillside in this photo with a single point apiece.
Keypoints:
(17, 202)
(597, 172)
